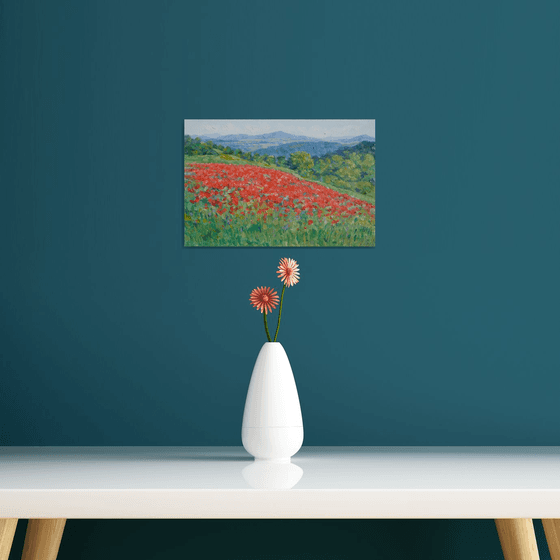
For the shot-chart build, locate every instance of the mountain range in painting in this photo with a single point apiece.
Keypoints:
(282, 143)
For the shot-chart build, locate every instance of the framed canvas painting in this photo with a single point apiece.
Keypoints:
(279, 183)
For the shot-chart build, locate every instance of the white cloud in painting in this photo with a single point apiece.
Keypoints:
(316, 128)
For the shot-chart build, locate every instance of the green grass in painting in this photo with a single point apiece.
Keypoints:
(211, 230)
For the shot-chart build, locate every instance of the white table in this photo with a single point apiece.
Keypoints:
(48, 485)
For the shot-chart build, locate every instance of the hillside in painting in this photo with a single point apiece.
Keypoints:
(236, 204)
(349, 167)
(296, 193)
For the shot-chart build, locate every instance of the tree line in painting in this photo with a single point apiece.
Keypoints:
(349, 169)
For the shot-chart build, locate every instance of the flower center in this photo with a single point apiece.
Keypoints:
(265, 298)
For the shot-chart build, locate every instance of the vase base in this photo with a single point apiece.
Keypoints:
(272, 444)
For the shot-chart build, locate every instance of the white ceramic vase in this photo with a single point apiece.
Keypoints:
(272, 427)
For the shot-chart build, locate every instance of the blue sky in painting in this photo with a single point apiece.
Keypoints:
(315, 128)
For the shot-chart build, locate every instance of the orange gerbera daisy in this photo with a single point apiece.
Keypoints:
(264, 299)
(288, 272)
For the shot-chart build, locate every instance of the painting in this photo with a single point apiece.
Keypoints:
(279, 183)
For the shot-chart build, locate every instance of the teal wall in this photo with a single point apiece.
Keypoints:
(446, 333)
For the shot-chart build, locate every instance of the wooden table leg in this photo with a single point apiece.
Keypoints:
(517, 537)
(42, 539)
(552, 532)
(7, 532)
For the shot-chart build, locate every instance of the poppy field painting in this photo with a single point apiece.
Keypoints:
(279, 183)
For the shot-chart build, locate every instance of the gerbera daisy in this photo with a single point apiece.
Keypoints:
(264, 299)
(288, 272)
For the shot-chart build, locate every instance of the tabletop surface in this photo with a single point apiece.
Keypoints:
(225, 482)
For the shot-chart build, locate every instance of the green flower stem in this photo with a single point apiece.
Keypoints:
(279, 313)
(266, 327)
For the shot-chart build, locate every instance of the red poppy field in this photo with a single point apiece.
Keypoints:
(230, 205)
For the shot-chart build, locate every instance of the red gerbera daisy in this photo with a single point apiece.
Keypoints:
(288, 272)
(264, 299)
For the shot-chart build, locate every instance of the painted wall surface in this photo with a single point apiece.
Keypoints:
(446, 333)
